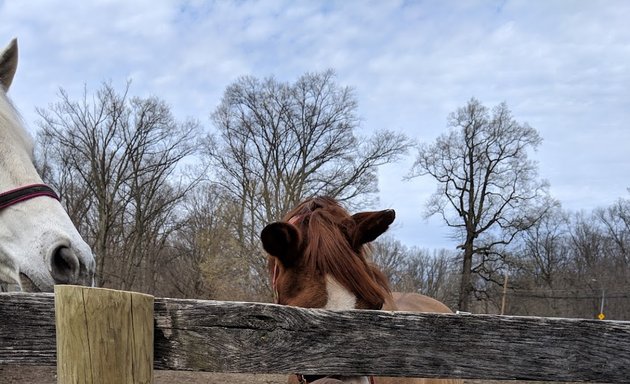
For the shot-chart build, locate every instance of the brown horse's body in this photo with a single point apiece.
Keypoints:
(317, 260)
(414, 302)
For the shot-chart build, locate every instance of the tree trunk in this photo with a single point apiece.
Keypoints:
(466, 284)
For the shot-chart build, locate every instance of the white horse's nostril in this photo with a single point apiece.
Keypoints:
(65, 265)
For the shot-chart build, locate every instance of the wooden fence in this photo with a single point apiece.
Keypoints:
(265, 338)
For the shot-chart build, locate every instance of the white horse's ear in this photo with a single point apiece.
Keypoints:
(8, 64)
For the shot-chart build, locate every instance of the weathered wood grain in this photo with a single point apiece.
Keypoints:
(27, 329)
(272, 339)
(264, 338)
(103, 336)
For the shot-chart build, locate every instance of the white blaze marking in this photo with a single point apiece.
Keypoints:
(338, 296)
(341, 298)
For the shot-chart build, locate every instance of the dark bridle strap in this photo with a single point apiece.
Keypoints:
(17, 195)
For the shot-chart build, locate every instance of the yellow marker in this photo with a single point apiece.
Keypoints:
(601, 316)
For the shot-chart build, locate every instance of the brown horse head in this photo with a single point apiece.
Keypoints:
(317, 256)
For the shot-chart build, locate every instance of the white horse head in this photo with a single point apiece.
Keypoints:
(39, 245)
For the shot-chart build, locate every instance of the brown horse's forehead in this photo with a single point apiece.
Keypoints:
(326, 242)
(296, 215)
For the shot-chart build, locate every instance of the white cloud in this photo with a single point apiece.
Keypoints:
(562, 66)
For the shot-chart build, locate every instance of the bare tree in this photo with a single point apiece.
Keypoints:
(572, 265)
(278, 143)
(544, 245)
(488, 189)
(430, 273)
(615, 221)
(390, 256)
(414, 269)
(118, 156)
(540, 266)
(598, 258)
(208, 250)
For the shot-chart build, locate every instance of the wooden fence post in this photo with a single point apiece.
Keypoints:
(103, 336)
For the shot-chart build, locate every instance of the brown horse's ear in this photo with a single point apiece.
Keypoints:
(281, 240)
(8, 64)
(370, 225)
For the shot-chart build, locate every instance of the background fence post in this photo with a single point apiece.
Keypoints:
(103, 336)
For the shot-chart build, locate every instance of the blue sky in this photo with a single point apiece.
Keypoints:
(562, 66)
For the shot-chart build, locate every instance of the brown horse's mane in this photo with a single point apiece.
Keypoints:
(326, 227)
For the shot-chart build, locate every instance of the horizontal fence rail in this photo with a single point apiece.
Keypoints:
(199, 335)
